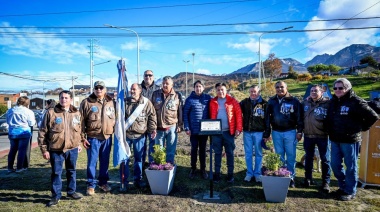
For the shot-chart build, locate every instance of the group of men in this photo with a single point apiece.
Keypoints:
(155, 115)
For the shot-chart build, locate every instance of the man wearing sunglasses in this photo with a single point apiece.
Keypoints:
(284, 115)
(148, 87)
(347, 116)
(98, 121)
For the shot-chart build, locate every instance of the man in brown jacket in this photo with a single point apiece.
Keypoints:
(168, 105)
(59, 139)
(98, 112)
(140, 118)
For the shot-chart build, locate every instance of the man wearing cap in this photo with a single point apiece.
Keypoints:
(253, 108)
(98, 121)
(148, 87)
(168, 106)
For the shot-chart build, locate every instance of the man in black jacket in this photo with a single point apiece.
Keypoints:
(284, 114)
(347, 116)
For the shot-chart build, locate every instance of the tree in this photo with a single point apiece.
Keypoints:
(334, 68)
(312, 69)
(369, 59)
(272, 66)
(291, 73)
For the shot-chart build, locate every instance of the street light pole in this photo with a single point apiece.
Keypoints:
(186, 61)
(92, 73)
(193, 66)
(260, 52)
(138, 47)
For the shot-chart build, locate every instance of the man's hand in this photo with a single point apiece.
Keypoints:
(86, 144)
(79, 149)
(237, 133)
(178, 129)
(299, 136)
(153, 134)
(188, 132)
(46, 155)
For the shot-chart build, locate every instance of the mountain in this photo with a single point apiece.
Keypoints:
(347, 57)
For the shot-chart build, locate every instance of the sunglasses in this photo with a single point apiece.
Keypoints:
(99, 87)
(277, 87)
(148, 75)
(338, 88)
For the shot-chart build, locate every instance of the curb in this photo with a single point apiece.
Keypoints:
(5, 152)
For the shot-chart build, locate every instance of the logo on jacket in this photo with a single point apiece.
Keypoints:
(286, 108)
(305, 108)
(94, 109)
(158, 100)
(76, 120)
(344, 110)
(171, 105)
(110, 111)
(258, 111)
(58, 120)
(320, 111)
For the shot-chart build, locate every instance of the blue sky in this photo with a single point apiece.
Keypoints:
(31, 47)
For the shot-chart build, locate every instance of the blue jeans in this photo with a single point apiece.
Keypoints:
(347, 179)
(198, 142)
(253, 140)
(150, 150)
(99, 149)
(56, 160)
(227, 141)
(168, 139)
(285, 144)
(138, 149)
(18, 144)
(323, 148)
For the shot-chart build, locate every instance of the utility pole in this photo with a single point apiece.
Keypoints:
(92, 63)
(193, 66)
(73, 86)
(186, 61)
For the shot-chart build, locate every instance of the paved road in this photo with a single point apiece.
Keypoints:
(4, 141)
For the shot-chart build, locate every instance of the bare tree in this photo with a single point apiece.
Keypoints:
(272, 66)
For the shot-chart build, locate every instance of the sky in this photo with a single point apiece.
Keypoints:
(49, 42)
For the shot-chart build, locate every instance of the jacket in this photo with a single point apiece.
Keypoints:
(195, 108)
(234, 115)
(19, 120)
(148, 91)
(98, 119)
(314, 115)
(284, 116)
(60, 130)
(347, 117)
(168, 110)
(145, 121)
(254, 114)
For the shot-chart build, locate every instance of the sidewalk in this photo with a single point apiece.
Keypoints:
(4, 150)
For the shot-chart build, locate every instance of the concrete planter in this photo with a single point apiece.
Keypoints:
(161, 181)
(275, 188)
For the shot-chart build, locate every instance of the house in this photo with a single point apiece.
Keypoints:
(36, 103)
(11, 98)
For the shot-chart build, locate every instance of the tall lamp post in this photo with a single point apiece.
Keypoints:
(286, 28)
(92, 73)
(138, 47)
(193, 66)
(186, 61)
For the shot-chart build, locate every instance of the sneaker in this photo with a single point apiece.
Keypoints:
(139, 184)
(90, 191)
(21, 170)
(307, 183)
(326, 188)
(105, 188)
(230, 178)
(292, 184)
(192, 174)
(347, 197)
(216, 177)
(75, 196)
(52, 202)
(11, 170)
(338, 193)
(258, 179)
(204, 174)
(247, 178)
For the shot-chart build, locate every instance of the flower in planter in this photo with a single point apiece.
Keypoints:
(159, 159)
(272, 167)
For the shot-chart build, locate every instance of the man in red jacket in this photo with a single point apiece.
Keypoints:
(227, 109)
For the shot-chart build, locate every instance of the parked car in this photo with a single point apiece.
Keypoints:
(3, 124)
(39, 116)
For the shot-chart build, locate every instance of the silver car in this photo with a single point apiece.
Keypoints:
(3, 124)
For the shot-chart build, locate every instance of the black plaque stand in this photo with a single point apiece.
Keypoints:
(210, 132)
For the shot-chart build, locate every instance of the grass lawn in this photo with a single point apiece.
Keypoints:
(30, 190)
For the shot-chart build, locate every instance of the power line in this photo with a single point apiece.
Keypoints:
(126, 9)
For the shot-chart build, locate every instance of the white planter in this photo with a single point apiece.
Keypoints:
(275, 188)
(161, 181)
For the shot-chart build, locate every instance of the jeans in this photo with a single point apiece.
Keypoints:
(168, 139)
(18, 144)
(323, 148)
(99, 149)
(347, 179)
(253, 140)
(138, 149)
(150, 150)
(198, 142)
(56, 160)
(227, 141)
(285, 144)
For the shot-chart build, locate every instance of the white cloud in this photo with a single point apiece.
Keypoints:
(266, 45)
(203, 71)
(143, 45)
(324, 42)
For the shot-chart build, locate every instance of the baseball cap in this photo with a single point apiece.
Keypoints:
(99, 83)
